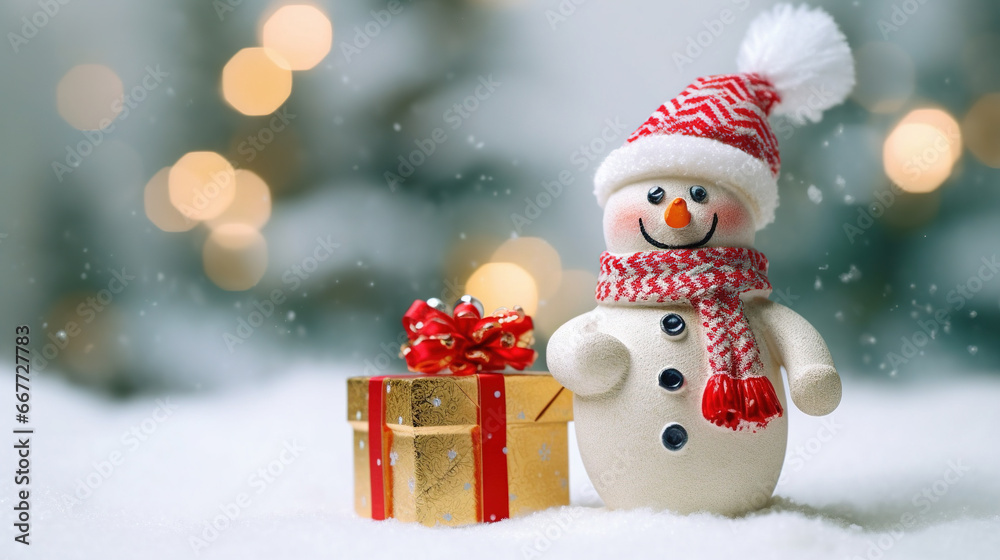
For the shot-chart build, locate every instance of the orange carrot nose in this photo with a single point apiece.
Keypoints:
(677, 215)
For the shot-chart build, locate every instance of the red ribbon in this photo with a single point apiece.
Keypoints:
(465, 342)
(489, 445)
(492, 434)
(376, 448)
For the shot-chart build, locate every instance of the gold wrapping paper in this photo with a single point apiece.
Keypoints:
(432, 469)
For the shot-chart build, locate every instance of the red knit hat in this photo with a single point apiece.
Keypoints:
(793, 62)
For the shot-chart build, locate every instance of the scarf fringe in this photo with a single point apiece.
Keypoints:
(747, 403)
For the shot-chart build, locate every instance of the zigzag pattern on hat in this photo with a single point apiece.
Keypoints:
(730, 108)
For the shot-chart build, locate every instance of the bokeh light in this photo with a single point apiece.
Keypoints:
(159, 210)
(202, 185)
(981, 127)
(575, 296)
(885, 77)
(503, 285)
(535, 255)
(941, 120)
(235, 257)
(917, 156)
(89, 96)
(300, 33)
(256, 81)
(251, 205)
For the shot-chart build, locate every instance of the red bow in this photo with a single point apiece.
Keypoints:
(466, 342)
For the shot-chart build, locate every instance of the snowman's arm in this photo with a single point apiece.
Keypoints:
(812, 378)
(584, 359)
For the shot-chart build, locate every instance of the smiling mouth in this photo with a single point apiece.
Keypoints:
(704, 240)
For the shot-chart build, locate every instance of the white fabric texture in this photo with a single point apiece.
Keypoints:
(803, 53)
(655, 156)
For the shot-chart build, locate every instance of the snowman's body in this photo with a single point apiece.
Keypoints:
(716, 469)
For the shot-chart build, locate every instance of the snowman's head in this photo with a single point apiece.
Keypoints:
(676, 213)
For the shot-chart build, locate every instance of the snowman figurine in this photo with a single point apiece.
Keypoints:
(679, 400)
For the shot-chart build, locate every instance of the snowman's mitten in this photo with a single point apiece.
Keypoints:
(816, 390)
(587, 362)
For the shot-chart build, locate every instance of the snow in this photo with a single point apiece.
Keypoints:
(815, 195)
(854, 483)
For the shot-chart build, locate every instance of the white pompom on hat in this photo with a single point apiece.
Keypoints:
(793, 62)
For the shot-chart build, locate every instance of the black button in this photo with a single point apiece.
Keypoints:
(674, 437)
(672, 324)
(671, 379)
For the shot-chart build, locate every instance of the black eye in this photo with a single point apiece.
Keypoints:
(655, 195)
(699, 194)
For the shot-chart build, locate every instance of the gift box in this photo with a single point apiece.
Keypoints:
(469, 446)
(451, 457)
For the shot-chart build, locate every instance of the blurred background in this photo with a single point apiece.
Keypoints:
(196, 194)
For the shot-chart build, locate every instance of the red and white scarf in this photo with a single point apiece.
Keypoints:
(737, 395)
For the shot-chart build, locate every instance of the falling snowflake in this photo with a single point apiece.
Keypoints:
(851, 275)
(815, 195)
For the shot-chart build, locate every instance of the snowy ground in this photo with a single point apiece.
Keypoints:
(897, 472)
